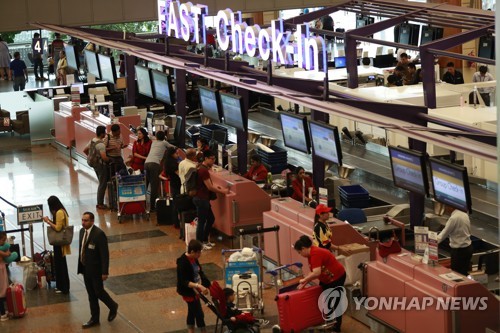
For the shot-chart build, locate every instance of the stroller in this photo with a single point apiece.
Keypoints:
(219, 308)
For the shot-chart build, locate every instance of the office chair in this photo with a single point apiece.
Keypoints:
(352, 215)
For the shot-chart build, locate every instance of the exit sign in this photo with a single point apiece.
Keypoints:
(27, 214)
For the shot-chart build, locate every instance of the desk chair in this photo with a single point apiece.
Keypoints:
(352, 215)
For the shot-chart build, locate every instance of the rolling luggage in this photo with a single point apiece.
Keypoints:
(298, 309)
(164, 209)
(246, 286)
(112, 194)
(16, 302)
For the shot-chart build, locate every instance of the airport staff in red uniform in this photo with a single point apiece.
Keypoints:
(324, 267)
(258, 171)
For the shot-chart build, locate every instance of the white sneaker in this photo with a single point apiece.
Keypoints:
(5, 317)
(263, 322)
(206, 247)
(210, 244)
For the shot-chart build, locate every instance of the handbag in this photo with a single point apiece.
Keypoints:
(58, 238)
(386, 248)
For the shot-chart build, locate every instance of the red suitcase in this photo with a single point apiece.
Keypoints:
(16, 302)
(298, 309)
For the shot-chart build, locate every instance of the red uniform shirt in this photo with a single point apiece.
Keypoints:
(202, 190)
(256, 173)
(331, 268)
(297, 187)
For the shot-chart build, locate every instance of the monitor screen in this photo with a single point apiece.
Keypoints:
(295, 132)
(92, 64)
(409, 170)
(162, 84)
(71, 57)
(79, 86)
(325, 142)
(451, 184)
(144, 81)
(108, 69)
(232, 108)
(339, 62)
(209, 103)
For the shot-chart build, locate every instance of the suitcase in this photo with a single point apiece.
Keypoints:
(16, 302)
(246, 283)
(164, 209)
(112, 194)
(298, 309)
(50, 267)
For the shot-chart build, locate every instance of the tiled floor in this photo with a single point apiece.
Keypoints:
(142, 268)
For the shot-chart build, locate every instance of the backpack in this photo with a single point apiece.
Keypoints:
(94, 157)
(191, 183)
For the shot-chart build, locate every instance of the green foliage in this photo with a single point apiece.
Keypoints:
(146, 26)
(8, 36)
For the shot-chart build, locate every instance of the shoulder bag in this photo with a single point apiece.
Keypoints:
(63, 237)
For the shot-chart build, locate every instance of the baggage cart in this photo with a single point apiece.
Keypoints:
(131, 195)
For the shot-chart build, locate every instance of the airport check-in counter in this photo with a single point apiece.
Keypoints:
(64, 119)
(86, 126)
(242, 207)
(404, 275)
(294, 221)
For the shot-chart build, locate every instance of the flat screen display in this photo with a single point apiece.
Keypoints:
(232, 108)
(209, 103)
(144, 81)
(163, 87)
(295, 132)
(339, 62)
(325, 142)
(92, 64)
(71, 57)
(409, 170)
(451, 184)
(108, 69)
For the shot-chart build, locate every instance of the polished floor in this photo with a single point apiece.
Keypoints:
(142, 264)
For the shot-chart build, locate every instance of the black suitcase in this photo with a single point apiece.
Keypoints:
(164, 211)
(112, 194)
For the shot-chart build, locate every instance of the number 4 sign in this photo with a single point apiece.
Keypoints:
(39, 46)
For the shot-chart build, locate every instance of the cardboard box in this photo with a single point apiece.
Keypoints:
(354, 248)
(360, 253)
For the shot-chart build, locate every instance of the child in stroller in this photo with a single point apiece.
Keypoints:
(238, 319)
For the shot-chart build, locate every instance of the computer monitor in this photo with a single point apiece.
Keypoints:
(450, 184)
(409, 170)
(108, 69)
(359, 53)
(339, 62)
(295, 132)
(232, 108)
(209, 101)
(92, 63)
(325, 141)
(163, 89)
(71, 57)
(144, 85)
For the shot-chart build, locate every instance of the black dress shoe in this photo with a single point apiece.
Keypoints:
(113, 313)
(90, 324)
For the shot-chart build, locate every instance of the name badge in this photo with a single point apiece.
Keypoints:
(91, 246)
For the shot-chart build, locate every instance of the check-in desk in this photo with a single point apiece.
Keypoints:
(64, 119)
(86, 126)
(243, 206)
(294, 221)
(404, 276)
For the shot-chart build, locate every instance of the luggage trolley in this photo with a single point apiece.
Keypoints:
(246, 280)
(131, 194)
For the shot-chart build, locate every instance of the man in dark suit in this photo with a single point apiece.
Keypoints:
(93, 263)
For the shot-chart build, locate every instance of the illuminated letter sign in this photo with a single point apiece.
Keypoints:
(187, 21)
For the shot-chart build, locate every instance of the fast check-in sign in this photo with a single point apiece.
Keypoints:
(27, 214)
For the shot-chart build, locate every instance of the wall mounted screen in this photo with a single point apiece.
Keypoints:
(232, 107)
(144, 81)
(451, 184)
(92, 63)
(325, 142)
(162, 84)
(295, 132)
(108, 69)
(70, 57)
(409, 170)
(209, 103)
